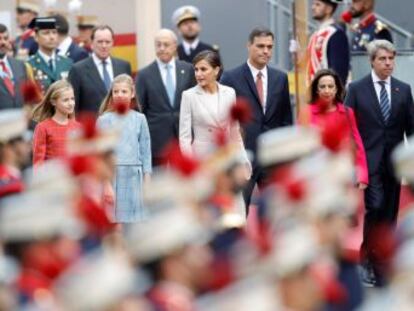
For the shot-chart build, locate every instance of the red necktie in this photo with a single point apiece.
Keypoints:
(259, 86)
(7, 81)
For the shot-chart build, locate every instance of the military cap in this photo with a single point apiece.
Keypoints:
(28, 5)
(185, 13)
(286, 144)
(39, 23)
(13, 124)
(87, 21)
(102, 141)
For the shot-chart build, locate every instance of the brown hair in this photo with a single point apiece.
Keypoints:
(122, 78)
(45, 109)
(314, 85)
(101, 27)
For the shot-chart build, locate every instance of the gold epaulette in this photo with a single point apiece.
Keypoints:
(380, 26)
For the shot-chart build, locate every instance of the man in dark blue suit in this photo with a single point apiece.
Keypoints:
(267, 92)
(384, 111)
(67, 47)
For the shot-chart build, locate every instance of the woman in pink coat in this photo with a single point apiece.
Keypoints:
(328, 112)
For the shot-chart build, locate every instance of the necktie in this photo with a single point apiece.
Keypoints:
(52, 69)
(384, 102)
(169, 85)
(6, 78)
(106, 77)
(259, 87)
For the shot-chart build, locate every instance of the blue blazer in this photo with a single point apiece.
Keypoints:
(380, 138)
(76, 53)
(278, 107)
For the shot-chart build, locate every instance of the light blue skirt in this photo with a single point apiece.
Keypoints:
(129, 205)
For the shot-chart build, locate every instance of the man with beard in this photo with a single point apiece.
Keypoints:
(186, 19)
(368, 28)
(12, 73)
(328, 46)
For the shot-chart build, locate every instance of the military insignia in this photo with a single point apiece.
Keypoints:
(38, 60)
(215, 47)
(64, 74)
(182, 71)
(365, 38)
(379, 26)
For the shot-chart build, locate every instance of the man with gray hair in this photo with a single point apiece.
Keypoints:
(384, 111)
(159, 87)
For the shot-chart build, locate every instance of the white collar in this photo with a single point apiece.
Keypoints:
(64, 45)
(376, 79)
(192, 45)
(255, 71)
(46, 58)
(327, 23)
(161, 64)
(98, 61)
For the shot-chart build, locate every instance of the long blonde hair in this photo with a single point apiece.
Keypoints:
(107, 102)
(46, 109)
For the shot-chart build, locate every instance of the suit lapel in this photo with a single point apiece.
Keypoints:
(115, 68)
(180, 74)
(14, 69)
(395, 97)
(160, 84)
(374, 96)
(250, 82)
(271, 81)
(93, 72)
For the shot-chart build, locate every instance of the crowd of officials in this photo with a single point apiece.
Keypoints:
(121, 193)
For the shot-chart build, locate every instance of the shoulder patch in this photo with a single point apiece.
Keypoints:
(379, 26)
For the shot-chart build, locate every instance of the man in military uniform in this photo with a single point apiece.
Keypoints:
(186, 19)
(368, 28)
(86, 24)
(25, 44)
(328, 46)
(47, 66)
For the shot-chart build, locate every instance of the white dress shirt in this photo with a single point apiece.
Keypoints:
(163, 71)
(6, 62)
(98, 64)
(254, 72)
(64, 46)
(377, 86)
(46, 58)
(187, 46)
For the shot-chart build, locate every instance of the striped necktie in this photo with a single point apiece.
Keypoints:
(384, 102)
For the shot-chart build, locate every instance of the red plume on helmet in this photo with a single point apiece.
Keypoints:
(240, 111)
(334, 133)
(31, 92)
(179, 161)
(121, 106)
(88, 125)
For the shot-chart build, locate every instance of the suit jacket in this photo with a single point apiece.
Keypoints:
(379, 137)
(182, 55)
(88, 85)
(76, 53)
(278, 108)
(19, 72)
(201, 119)
(44, 75)
(162, 117)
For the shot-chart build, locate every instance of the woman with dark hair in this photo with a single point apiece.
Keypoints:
(205, 110)
(326, 108)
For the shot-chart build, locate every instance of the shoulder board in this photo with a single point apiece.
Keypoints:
(215, 47)
(379, 26)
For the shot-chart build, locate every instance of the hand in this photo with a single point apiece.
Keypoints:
(147, 178)
(294, 46)
(362, 186)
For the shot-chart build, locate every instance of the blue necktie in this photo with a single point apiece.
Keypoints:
(106, 77)
(169, 85)
(384, 102)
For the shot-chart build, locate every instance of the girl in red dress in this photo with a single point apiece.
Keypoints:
(55, 115)
(327, 110)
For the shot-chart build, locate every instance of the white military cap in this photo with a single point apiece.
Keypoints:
(184, 13)
(97, 281)
(286, 144)
(29, 5)
(164, 232)
(13, 123)
(44, 210)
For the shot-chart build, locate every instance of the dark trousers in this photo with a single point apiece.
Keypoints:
(382, 199)
(258, 178)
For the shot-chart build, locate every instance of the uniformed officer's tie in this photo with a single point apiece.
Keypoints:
(259, 87)
(7, 78)
(106, 77)
(384, 101)
(51, 67)
(169, 84)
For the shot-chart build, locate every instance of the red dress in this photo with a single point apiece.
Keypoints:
(344, 114)
(49, 140)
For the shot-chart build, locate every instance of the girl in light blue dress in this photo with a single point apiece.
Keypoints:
(133, 153)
